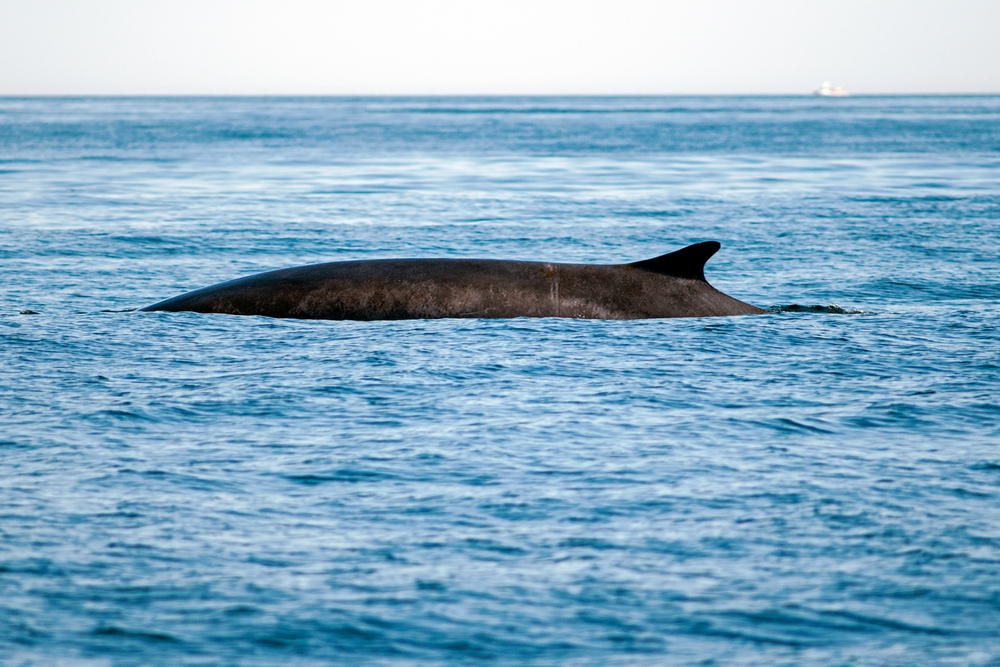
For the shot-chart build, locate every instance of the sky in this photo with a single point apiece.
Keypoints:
(509, 47)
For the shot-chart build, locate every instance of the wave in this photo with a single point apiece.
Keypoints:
(832, 309)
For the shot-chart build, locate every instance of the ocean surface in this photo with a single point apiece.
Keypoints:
(819, 485)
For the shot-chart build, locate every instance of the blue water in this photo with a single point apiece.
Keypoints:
(815, 486)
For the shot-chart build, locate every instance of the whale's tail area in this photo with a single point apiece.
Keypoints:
(687, 262)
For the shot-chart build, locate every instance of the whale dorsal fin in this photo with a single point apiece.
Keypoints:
(687, 262)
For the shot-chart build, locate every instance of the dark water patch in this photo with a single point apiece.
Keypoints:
(704, 628)
(786, 425)
(516, 511)
(107, 158)
(963, 492)
(12, 444)
(270, 562)
(431, 586)
(126, 415)
(242, 610)
(587, 543)
(123, 545)
(654, 214)
(145, 635)
(343, 475)
(867, 621)
(495, 547)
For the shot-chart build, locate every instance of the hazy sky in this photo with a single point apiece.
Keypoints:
(508, 47)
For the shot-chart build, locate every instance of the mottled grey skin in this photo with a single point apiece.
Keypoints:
(672, 285)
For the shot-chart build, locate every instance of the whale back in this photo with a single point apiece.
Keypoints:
(687, 262)
(671, 285)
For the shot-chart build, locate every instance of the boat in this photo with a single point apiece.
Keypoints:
(829, 90)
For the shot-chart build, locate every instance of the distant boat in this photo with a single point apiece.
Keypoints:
(828, 90)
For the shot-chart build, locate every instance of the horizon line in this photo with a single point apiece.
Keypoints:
(484, 95)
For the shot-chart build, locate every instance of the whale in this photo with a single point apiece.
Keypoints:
(671, 285)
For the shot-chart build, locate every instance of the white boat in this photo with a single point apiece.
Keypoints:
(829, 90)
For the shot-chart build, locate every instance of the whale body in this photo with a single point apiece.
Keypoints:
(672, 285)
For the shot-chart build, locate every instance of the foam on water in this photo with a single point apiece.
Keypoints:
(815, 485)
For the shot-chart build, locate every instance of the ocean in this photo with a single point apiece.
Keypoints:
(819, 485)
